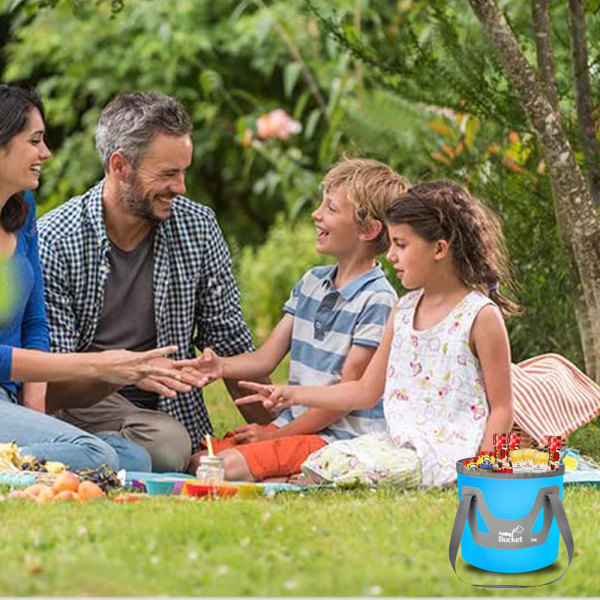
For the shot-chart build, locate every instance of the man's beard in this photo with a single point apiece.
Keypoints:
(138, 202)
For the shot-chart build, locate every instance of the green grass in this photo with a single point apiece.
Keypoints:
(320, 543)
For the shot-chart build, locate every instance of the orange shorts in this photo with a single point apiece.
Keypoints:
(280, 457)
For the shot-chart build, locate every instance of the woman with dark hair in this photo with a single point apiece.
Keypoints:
(24, 342)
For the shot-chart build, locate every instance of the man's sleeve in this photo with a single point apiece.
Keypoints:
(370, 324)
(59, 301)
(219, 320)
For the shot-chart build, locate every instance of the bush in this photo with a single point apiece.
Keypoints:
(266, 275)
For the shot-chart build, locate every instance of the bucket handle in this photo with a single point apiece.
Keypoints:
(461, 519)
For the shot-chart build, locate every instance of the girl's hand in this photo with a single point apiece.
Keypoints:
(253, 432)
(275, 397)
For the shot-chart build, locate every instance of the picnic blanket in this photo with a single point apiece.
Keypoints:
(269, 488)
(552, 396)
(579, 469)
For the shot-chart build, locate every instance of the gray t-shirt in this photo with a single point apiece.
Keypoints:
(127, 319)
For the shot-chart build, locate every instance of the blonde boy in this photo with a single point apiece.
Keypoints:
(332, 325)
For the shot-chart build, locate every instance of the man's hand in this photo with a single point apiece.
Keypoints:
(207, 368)
(273, 397)
(248, 434)
(186, 376)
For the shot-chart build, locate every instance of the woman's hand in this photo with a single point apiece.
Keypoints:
(273, 397)
(148, 370)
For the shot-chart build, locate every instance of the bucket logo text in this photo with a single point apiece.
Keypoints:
(511, 537)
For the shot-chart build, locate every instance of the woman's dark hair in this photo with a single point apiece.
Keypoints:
(16, 105)
(444, 210)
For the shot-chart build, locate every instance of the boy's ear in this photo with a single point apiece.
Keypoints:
(371, 230)
(442, 249)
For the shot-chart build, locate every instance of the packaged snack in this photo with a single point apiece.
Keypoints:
(501, 463)
(514, 441)
(485, 461)
(517, 460)
(470, 464)
(554, 442)
(528, 459)
(540, 462)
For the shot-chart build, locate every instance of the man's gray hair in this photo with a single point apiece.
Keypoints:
(131, 121)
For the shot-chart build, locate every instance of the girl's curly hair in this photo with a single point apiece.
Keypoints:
(445, 210)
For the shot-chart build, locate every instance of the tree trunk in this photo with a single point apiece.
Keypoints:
(583, 97)
(543, 47)
(573, 204)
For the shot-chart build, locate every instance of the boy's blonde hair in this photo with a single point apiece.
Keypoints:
(370, 185)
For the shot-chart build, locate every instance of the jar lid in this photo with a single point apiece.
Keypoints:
(211, 460)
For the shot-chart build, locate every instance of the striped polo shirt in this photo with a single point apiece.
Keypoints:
(327, 323)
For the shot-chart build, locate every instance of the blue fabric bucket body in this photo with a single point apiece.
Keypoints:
(510, 497)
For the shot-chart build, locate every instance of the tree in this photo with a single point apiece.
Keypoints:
(573, 201)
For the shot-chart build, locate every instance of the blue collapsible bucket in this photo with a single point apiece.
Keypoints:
(514, 521)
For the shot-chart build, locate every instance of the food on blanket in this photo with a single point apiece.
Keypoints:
(485, 461)
(103, 476)
(66, 496)
(9, 457)
(53, 466)
(126, 498)
(88, 490)
(554, 442)
(501, 462)
(34, 490)
(66, 481)
(45, 496)
(470, 464)
(20, 494)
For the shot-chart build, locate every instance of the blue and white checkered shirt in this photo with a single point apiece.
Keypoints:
(196, 298)
(327, 323)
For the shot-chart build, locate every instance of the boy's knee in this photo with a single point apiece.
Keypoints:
(236, 466)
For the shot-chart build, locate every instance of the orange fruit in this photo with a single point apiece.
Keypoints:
(89, 490)
(34, 490)
(66, 496)
(66, 481)
(45, 496)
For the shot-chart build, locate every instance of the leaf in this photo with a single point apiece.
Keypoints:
(290, 77)
(311, 123)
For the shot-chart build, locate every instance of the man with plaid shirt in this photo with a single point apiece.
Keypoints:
(134, 264)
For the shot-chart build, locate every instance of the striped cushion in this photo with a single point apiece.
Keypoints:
(552, 396)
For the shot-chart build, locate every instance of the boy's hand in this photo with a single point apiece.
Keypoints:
(248, 434)
(275, 397)
(207, 368)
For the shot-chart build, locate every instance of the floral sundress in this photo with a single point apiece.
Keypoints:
(434, 403)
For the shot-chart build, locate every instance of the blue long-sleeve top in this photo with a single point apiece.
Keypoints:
(26, 326)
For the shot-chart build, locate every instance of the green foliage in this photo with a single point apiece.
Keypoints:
(414, 83)
(266, 275)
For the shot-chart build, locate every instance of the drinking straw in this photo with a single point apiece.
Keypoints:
(209, 444)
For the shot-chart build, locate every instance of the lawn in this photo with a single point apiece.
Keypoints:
(320, 543)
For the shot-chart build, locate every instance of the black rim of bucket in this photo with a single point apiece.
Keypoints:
(462, 470)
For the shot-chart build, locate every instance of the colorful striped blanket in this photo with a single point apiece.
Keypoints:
(552, 396)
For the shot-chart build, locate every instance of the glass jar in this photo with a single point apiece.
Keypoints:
(211, 470)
